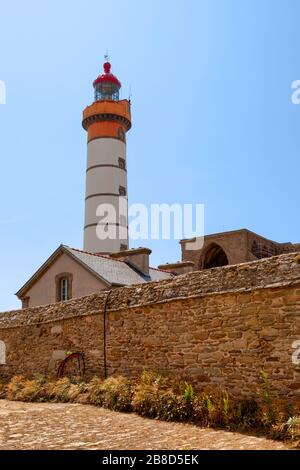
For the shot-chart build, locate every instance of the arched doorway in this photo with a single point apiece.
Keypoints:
(214, 257)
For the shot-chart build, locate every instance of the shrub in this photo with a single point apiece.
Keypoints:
(246, 414)
(94, 391)
(15, 387)
(58, 390)
(214, 408)
(289, 429)
(154, 378)
(144, 401)
(117, 394)
(31, 391)
(24, 389)
(77, 393)
(3, 390)
(172, 407)
(204, 409)
(149, 377)
(163, 397)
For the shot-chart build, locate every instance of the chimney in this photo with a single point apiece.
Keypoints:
(138, 258)
(181, 267)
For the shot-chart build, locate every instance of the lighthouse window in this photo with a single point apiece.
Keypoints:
(122, 191)
(122, 163)
(121, 134)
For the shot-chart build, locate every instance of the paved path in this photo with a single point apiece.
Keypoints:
(74, 426)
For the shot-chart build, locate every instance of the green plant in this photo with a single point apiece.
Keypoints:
(189, 394)
(268, 415)
(172, 407)
(203, 409)
(147, 377)
(225, 406)
(292, 425)
(287, 430)
(151, 377)
(208, 406)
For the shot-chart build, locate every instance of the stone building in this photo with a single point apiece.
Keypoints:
(234, 247)
(70, 273)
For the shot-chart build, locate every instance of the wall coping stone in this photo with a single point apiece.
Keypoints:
(269, 273)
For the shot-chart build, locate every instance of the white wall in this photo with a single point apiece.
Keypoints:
(103, 183)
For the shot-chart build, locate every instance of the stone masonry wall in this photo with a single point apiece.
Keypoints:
(219, 326)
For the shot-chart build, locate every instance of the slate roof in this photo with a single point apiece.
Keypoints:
(112, 271)
(115, 271)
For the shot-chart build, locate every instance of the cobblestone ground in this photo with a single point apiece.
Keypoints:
(74, 426)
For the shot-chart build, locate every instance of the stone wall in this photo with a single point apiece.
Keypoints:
(219, 326)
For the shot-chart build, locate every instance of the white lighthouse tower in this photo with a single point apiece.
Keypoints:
(106, 121)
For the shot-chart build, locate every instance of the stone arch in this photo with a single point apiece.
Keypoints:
(214, 257)
(2, 352)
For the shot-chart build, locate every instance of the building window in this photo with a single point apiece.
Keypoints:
(122, 191)
(63, 287)
(123, 247)
(122, 163)
(2, 353)
(121, 134)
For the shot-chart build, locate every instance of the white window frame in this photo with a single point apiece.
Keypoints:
(64, 289)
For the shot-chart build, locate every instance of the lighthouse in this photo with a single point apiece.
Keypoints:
(106, 121)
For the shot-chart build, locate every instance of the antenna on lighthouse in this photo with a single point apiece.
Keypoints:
(130, 94)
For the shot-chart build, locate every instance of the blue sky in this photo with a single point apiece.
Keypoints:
(213, 120)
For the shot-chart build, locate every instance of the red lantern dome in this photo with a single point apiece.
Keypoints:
(107, 86)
